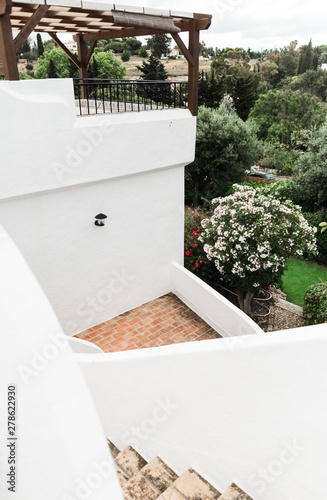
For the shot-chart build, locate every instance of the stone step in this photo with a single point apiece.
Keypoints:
(130, 461)
(156, 481)
(234, 493)
(191, 486)
(171, 494)
(153, 479)
(113, 448)
(138, 488)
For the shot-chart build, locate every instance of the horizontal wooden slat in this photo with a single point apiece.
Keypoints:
(70, 17)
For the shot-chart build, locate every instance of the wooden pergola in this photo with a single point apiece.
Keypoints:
(90, 21)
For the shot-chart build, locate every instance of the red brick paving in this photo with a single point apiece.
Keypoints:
(163, 321)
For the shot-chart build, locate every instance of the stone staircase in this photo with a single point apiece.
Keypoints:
(141, 480)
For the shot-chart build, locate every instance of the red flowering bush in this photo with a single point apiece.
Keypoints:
(195, 259)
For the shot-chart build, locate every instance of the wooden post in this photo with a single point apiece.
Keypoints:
(7, 48)
(81, 50)
(193, 70)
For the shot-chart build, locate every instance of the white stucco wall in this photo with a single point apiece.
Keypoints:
(59, 171)
(250, 409)
(57, 449)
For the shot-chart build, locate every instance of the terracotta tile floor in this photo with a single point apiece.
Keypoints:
(163, 321)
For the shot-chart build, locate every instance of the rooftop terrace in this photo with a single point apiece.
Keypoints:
(92, 21)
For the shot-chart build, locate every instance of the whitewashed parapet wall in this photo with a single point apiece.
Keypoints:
(249, 409)
(52, 442)
(58, 171)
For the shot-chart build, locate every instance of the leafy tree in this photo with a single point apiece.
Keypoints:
(323, 58)
(159, 45)
(72, 69)
(279, 113)
(289, 60)
(225, 148)
(108, 65)
(49, 45)
(116, 45)
(250, 237)
(92, 69)
(126, 55)
(142, 52)
(32, 55)
(26, 47)
(52, 73)
(40, 46)
(54, 62)
(132, 45)
(306, 58)
(153, 69)
(314, 82)
(24, 76)
(230, 58)
(310, 172)
(204, 50)
(252, 54)
(269, 72)
(211, 90)
(243, 88)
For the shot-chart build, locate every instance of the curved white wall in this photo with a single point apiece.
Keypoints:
(58, 171)
(57, 449)
(246, 409)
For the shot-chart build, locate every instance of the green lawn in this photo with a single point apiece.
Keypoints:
(299, 276)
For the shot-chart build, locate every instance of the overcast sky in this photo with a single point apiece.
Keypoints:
(253, 23)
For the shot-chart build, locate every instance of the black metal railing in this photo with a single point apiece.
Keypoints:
(94, 96)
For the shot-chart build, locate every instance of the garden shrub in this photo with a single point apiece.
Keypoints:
(282, 190)
(250, 237)
(315, 304)
(310, 172)
(314, 219)
(195, 259)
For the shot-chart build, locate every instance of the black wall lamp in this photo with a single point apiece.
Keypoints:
(99, 219)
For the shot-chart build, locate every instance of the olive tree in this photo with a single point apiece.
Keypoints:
(225, 147)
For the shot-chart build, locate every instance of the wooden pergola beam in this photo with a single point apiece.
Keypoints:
(30, 26)
(193, 71)
(81, 49)
(90, 52)
(7, 47)
(64, 48)
(186, 53)
(118, 33)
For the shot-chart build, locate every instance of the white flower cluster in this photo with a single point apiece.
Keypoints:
(250, 236)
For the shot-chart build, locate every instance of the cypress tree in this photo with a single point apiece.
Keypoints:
(40, 46)
(52, 73)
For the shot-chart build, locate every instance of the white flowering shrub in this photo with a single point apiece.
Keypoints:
(251, 236)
